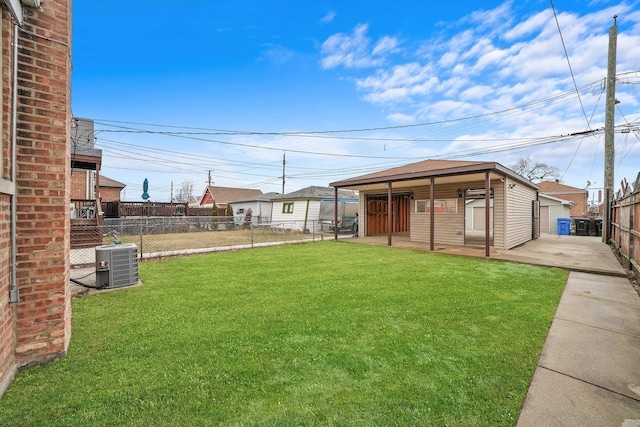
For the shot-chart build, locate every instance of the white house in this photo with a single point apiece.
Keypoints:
(552, 208)
(259, 205)
(307, 209)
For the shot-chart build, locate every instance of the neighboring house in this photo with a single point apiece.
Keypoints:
(221, 196)
(83, 186)
(35, 297)
(565, 192)
(110, 189)
(260, 207)
(474, 214)
(426, 201)
(552, 208)
(307, 209)
(86, 209)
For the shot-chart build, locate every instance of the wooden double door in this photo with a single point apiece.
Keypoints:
(378, 214)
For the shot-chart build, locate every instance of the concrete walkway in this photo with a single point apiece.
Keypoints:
(589, 370)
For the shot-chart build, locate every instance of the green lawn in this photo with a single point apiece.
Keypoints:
(329, 333)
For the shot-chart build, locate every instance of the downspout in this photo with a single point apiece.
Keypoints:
(14, 295)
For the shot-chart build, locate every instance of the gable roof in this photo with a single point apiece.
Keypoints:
(223, 195)
(555, 199)
(259, 198)
(558, 188)
(108, 182)
(432, 168)
(318, 193)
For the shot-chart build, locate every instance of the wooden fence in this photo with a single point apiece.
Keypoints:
(625, 226)
(127, 209)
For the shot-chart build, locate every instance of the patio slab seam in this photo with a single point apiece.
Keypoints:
(575, 322)
(575, 378)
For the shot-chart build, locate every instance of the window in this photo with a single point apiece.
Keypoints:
(287, 207)
(441, 206)
(240, 211)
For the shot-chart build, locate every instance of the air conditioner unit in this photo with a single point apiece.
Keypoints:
(116, 265)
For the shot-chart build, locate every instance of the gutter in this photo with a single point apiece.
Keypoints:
(14, 295)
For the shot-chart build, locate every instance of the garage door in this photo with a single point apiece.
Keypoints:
(544, 219)
(479, 219)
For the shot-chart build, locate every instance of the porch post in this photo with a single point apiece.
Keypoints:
(335, 214)
(487, 206)
(432, 210)
(389, 219)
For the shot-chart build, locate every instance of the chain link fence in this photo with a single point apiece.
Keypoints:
(162, 237)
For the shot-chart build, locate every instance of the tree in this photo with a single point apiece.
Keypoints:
(185, 192)
(535, 171)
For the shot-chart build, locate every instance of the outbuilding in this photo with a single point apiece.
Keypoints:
(552, 208)
(425, 201)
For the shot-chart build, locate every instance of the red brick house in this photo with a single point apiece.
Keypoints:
(221, 196)
(35, 300)
(565, 192)
(110, 189)
(83, 184)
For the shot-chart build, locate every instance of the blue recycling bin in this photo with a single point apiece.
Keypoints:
(564, 226)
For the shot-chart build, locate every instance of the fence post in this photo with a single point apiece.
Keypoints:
(631, 224)
(141, 253)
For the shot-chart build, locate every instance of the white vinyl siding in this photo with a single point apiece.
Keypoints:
(448, 227)
(305, 214)
(520, 214)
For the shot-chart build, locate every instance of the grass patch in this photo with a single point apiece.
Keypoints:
(330, 333)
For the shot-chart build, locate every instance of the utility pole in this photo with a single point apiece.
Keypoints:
(284, 162)
(609, 136)
(171, 199)
(209, 179)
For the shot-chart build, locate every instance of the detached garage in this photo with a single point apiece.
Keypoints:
(552, 208)
(427, 201)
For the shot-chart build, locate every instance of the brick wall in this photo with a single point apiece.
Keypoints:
(7, 336)
(41, 320)
(110, 194)
(79, 184)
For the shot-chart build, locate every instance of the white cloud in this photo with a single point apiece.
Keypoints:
(384, 45)
(400, 84)
(354, 50)
(329, 17)
(401, 119)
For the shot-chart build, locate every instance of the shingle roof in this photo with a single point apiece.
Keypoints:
(316, 192)
(430, 168)
(552, 186)
(259, 198)
(108, 182)
(227, 194)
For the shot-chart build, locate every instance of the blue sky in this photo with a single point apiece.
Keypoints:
(346, 88)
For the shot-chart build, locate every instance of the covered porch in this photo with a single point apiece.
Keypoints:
(447, 203)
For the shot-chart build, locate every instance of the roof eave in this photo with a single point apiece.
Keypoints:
(435, 173)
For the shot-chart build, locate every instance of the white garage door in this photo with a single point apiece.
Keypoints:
(544, 219)
(479, 219)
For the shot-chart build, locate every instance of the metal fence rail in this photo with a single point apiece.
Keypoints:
(162, 237)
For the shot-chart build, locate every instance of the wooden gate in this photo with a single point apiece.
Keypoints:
(378, 214)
